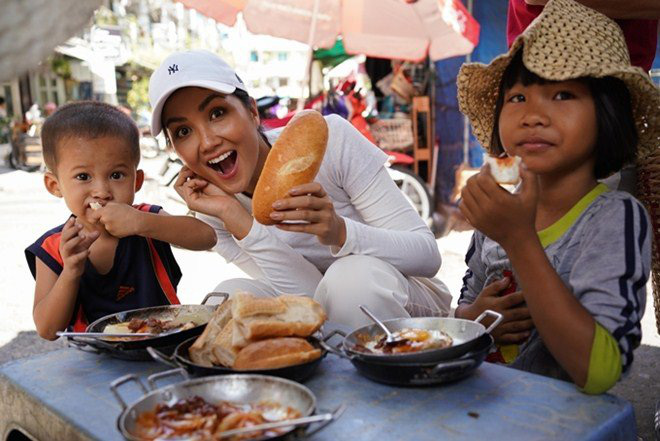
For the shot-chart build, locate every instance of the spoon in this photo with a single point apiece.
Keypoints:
(390, 339)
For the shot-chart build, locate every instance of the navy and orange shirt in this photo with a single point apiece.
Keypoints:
(144, 274)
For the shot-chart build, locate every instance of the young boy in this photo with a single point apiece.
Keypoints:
(109, 256)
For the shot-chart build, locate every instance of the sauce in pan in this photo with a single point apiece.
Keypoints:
(195, 418)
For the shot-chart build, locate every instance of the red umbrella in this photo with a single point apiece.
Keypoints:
(401, 29)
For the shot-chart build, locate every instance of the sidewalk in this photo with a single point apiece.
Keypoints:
(27, 211)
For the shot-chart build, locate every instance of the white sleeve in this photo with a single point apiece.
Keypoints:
(287, 271)
(393, 231)
(264, 257)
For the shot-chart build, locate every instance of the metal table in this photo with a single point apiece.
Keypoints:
(64, 395)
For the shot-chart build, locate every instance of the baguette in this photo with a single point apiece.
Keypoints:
(301, 317)
(275, 353)
(224, 353)
(201, 352)
(294, 159)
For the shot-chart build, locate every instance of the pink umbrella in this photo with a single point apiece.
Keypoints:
(401, 29)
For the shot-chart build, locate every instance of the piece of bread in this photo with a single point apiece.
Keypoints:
(224, 353)
(294, 159)
(275, 353)
(283, 316)
(504, 169)
(201, 352)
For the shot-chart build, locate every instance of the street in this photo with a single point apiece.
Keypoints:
(28, 211)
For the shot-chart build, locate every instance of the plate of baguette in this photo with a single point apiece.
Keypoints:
(272, 336)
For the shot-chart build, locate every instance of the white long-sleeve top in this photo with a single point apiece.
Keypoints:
(379, 222)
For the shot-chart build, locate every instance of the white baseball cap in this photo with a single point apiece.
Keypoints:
(185, 69)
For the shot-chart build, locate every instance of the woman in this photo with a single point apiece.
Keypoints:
(360, 243)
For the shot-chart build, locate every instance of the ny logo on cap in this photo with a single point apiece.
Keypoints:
(172, 69)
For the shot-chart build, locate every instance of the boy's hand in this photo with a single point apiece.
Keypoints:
(74, 247)
(516, 322)
(500, 215)
(120, 220)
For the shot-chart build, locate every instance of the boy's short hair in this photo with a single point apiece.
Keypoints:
(87, 119)
(616, 139)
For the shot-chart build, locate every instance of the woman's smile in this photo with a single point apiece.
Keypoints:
(225, 164)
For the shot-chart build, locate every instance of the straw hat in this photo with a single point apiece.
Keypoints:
(566, 41)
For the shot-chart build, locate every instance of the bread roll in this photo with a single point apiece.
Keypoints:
(200, 352)
(283, 316)
(294, 159)
(275, 353)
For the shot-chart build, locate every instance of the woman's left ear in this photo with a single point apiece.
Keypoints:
(139, 180)
(254, 111)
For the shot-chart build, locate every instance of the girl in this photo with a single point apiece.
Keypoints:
(564, 259)
(360, 242)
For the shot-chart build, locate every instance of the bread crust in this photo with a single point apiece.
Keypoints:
(294, 159)
(275, 353)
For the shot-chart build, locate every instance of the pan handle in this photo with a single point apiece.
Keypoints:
(452, 365)
(335, 349)
(210, 295)
(114, 386)
(162, 358)
(82, 346)
(490, 312)
(151, 379)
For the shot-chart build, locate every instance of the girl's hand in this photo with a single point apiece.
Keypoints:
(516, 321)
(74, 247)
(310, 203)
(120, 220)
(500, 215)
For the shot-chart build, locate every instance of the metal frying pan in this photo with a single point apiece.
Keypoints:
(180, 358)
(464, 334)
(136, 349)
(236, 388)
(419, 374)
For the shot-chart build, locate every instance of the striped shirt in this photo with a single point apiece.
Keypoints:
(601, 249)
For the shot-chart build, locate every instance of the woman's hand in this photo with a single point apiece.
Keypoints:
(200, 195)
(203, 197)
(311, 204)
(516, 321)
(74, 247)
(500, 215)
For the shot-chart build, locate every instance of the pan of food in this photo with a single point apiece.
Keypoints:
(164, 326)
(255, 407)
(418, 340)
(297, 368)
(420, 373)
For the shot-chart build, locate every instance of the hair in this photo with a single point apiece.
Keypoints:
(90, 120)
(2, 101)
(616, 138)
(246, 101)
